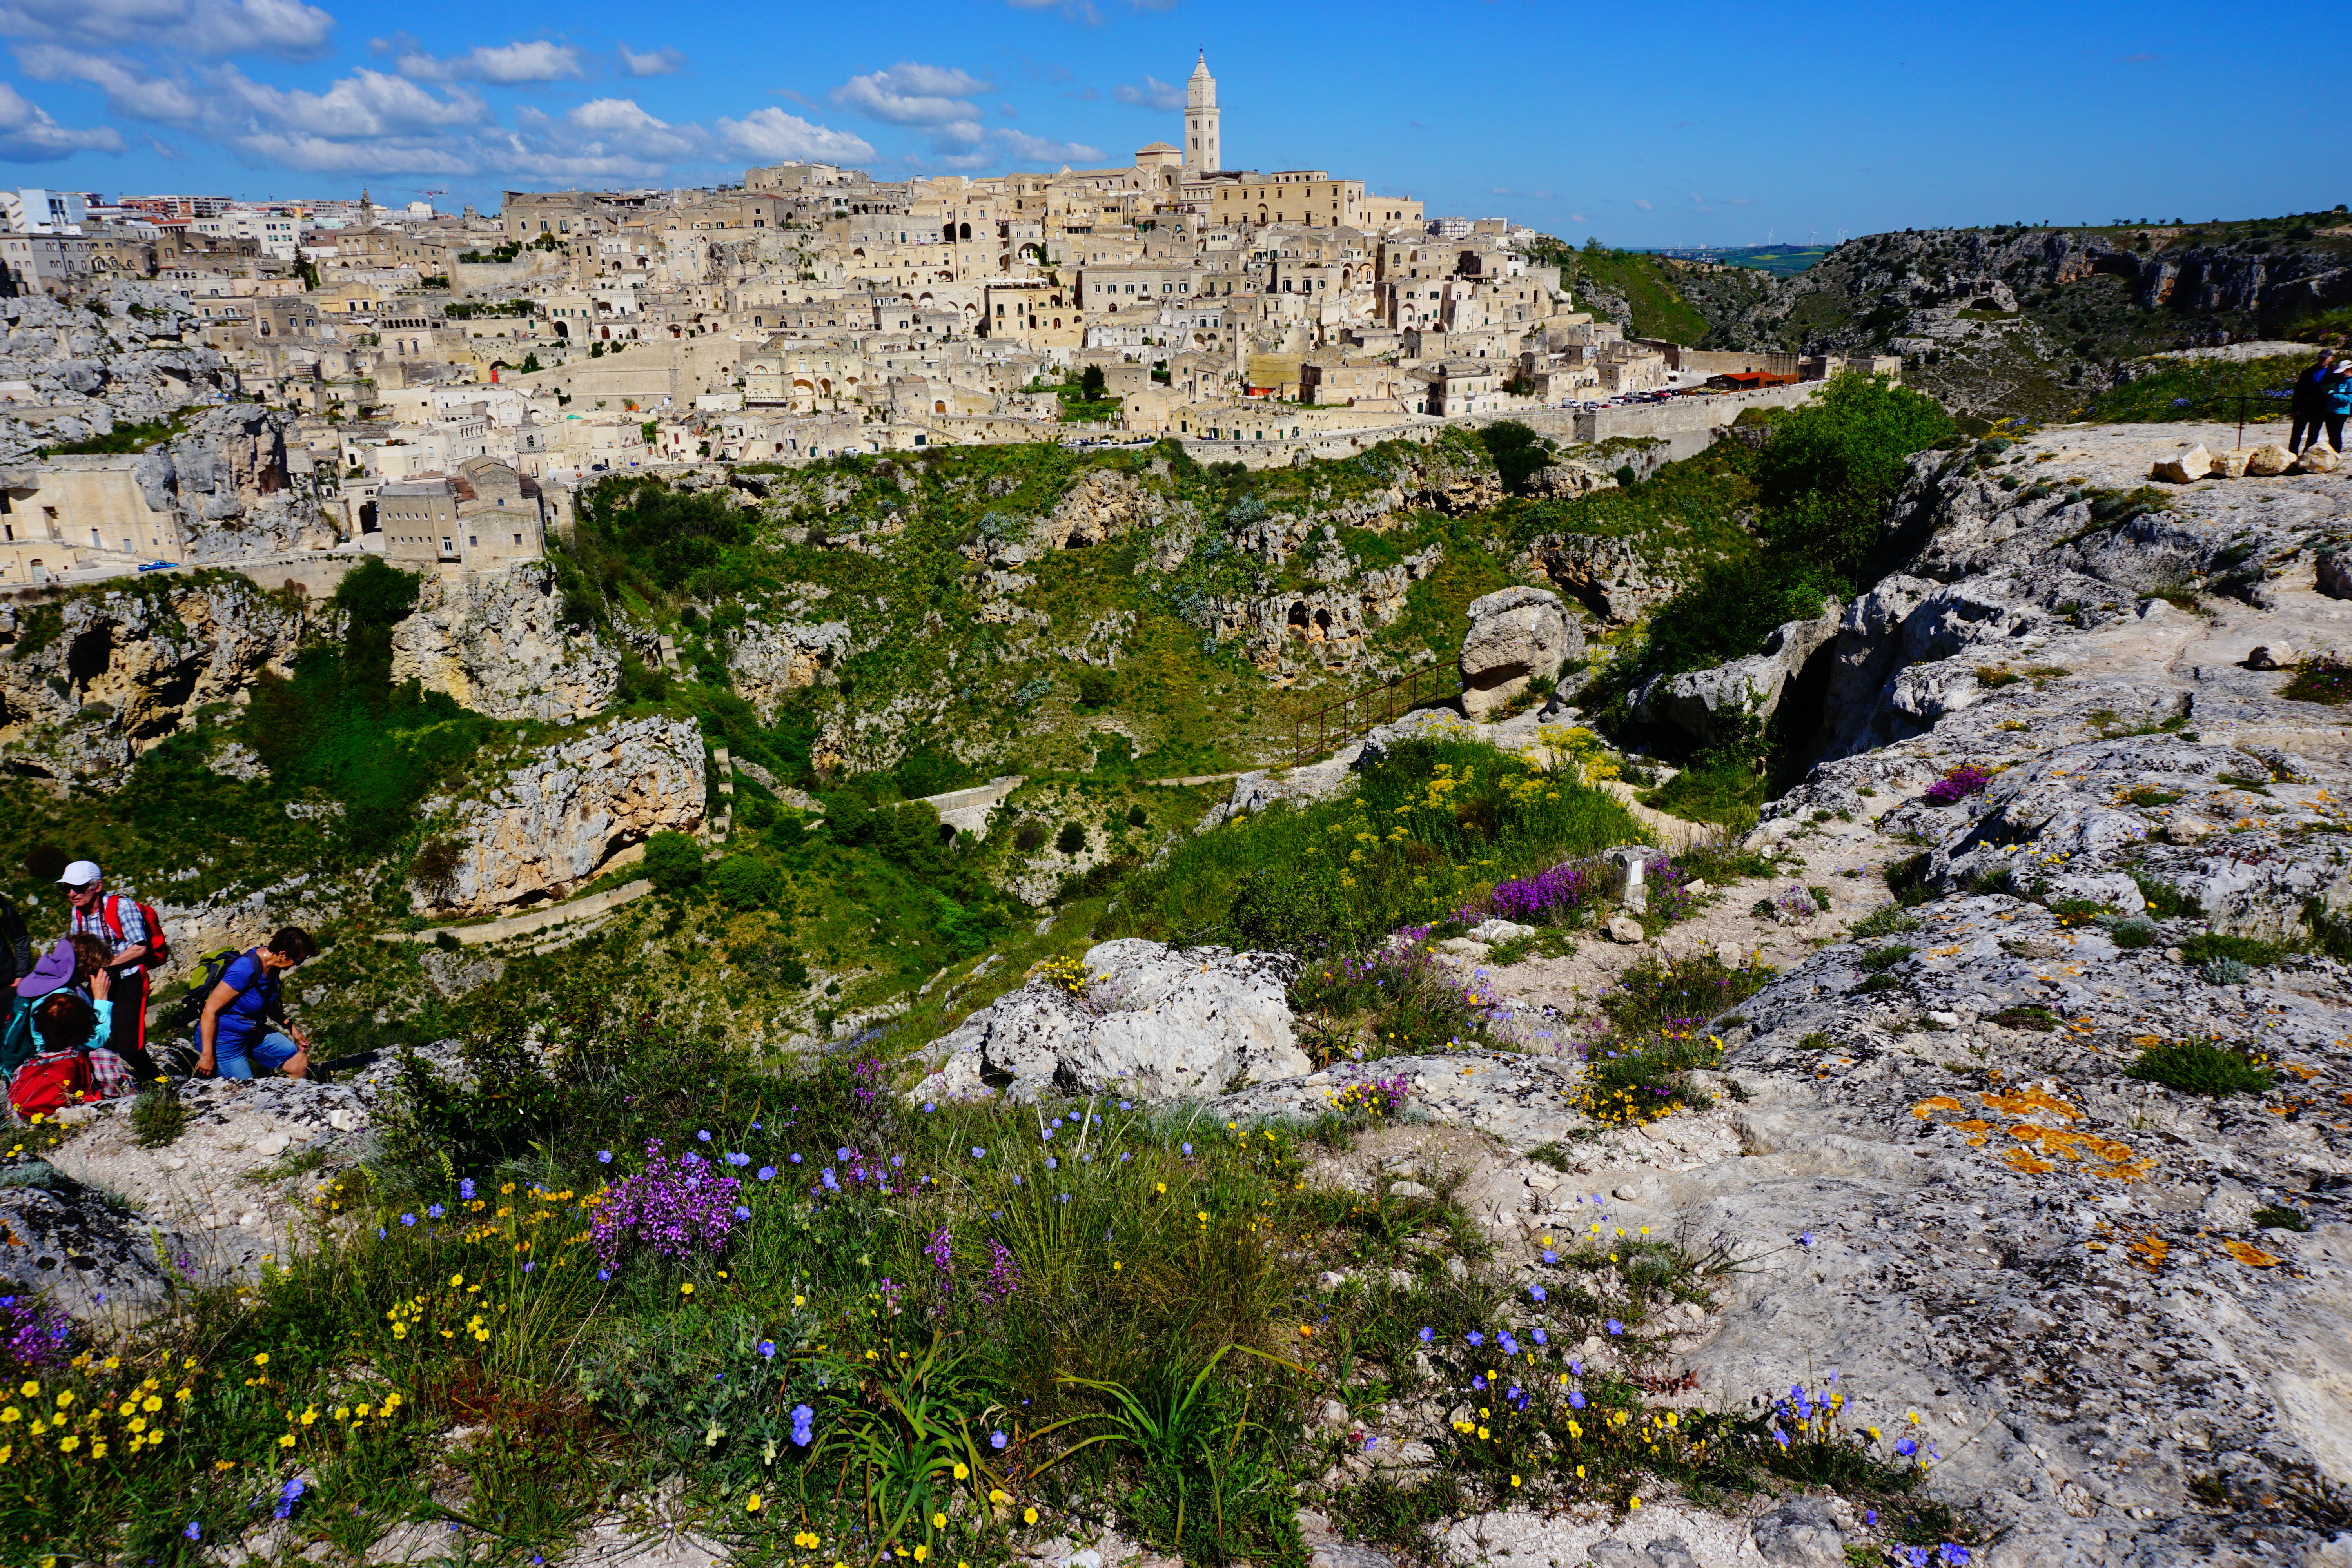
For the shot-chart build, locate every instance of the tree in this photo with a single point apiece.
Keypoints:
(1072, 839)
(530, 363)
(673, 861)
(1831, 469)
(1092, 385)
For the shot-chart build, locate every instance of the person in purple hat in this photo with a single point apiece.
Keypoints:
(61, 969)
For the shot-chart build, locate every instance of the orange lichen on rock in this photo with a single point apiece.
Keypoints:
(2249, 1255)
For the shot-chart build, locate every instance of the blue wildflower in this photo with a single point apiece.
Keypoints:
(604, 1157)
(996, 1439)
(767, 1173)
(767, 1349)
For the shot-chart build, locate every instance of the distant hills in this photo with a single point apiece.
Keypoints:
(2008, 319)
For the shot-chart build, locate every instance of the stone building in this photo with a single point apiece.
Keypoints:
(483, 514)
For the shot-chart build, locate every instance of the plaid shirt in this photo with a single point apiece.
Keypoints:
(92, 920)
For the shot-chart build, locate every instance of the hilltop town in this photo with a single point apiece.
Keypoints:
(810, 311)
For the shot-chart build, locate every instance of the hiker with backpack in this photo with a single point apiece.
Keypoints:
(136, 943)
(234, 1034)
(54, 1049)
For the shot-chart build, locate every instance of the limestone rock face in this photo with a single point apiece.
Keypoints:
(1101, 506)
(1517, 636)
(576, 808)
(771, 662)
(91, 683)
(2181, 467)
(1155, 1022)
(2230, 465)
(1604, 573)
(2319, 457)
(1568, 480)
(496, 642)
(1702, 703)
(2335, 577)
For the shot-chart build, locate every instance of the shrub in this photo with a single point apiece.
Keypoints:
(1884, 958)
(2132, 933)
(1072, 839)
(1627, 1087)
(158, 1117)
(1669, 994)
(1831, 469)
(1030, 837)
(2166, 902)
(2244, 951)
(1285, 911)
(2199, 1067)
(1097, 688)
(2226, 972)
(1886, 920)
(746, 882)
(673, 862)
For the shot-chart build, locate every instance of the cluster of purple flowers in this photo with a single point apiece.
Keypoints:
(1544, 896)
(1004, 1277)
(941, 1251)
(1959, 785)
(34, 1335)
(865, 1081)
(678, 1206)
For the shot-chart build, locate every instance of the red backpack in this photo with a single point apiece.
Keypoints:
(48, 1084)
(159, 947)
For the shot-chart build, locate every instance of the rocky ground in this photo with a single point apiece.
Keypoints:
(2122, 1309)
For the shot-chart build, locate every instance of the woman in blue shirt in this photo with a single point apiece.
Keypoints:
(235, 1034)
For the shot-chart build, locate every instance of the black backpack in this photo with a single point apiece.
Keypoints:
(210, 967)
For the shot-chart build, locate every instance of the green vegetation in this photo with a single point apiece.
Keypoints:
(1647, 284)
(1429, 828)
(123, 437)
(2200, 1066)
(2319, 681)
(2201, 389)
(472, 310)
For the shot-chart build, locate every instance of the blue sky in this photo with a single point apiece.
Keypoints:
(1644, 124)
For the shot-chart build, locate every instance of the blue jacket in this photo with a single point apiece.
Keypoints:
(2335, 391)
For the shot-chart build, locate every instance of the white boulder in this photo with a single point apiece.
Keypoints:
(1517, 635)
(1153, 1023)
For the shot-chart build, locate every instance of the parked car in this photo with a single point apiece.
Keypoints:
(159, 566)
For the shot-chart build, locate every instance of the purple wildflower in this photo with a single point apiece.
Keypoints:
(677, 1208)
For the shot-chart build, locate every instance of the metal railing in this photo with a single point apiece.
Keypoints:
(1316, 731)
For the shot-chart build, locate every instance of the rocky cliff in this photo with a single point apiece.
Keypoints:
(91, 370)
(2033, 320)
(498, 642)
(560, 817)
(89, 681)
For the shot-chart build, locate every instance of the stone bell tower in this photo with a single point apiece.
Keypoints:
(1201, 151)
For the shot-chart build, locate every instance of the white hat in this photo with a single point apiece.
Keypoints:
(80, 874)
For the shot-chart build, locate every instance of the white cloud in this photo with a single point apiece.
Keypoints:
(1153, 94)
(212, 27)
(910, 93)
(29, 134)
(506, 65)
(163, 100)
(621, 120)
(652, 62)
(364, 104)
(1028, 148)
(1642, 204)
(324, 155)
(772, 134)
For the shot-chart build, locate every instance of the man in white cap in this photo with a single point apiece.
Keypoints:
(122, 925)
